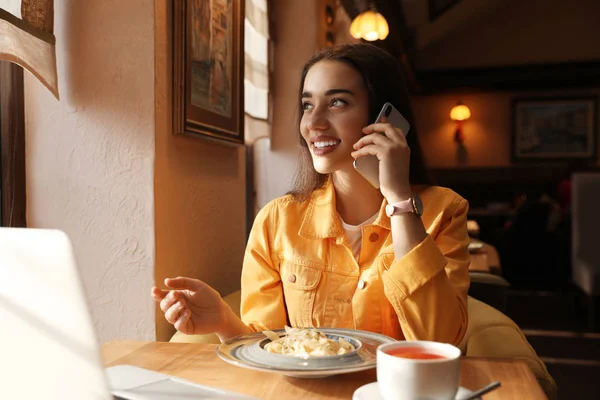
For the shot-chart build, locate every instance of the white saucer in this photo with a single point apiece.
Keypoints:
(370, 391)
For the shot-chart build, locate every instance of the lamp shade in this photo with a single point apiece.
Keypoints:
(370, 26)
(460, 112)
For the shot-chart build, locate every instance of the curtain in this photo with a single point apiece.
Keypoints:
(256, 73)
(27, 38)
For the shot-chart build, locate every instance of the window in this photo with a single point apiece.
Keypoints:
(257, 49)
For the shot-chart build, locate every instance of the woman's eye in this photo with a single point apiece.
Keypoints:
(338, 102)
(306, 106)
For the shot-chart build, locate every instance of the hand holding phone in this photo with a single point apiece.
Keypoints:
(368, 166)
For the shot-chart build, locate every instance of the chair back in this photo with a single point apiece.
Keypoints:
(492, 334)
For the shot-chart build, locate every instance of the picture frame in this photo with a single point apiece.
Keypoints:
(208, 69)
(554, 129)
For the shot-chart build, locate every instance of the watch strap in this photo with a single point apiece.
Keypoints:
(401, 207)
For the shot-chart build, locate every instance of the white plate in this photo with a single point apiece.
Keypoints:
(370, 391)
(246, 351)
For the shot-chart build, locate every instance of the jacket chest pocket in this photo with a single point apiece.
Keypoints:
(300, 285)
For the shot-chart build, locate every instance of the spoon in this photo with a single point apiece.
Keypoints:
(482, 391)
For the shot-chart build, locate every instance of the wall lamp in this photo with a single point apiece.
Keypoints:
(459, 113)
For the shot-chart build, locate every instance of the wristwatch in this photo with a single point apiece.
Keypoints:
(412, 205)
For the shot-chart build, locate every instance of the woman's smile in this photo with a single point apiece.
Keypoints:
(322, 145)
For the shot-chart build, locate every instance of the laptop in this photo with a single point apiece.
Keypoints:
(48, 346)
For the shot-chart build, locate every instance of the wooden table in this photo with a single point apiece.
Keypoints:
(200, 363)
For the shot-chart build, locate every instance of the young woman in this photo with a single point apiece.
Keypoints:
(330, 253)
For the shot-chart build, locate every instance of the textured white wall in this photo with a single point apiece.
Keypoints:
(90, 156)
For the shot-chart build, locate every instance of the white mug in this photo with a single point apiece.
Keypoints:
(416, 379)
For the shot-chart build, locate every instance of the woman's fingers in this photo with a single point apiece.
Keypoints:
(372, 139)
(175, 309)
(169, 300)
(380, 140)
(387, 129)
(181, 323)
(372, 150)
(174, 312)
(183, 283)
(376, 145)
(179, 284)
(158, 294)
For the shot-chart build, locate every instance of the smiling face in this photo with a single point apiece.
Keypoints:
(335, 105)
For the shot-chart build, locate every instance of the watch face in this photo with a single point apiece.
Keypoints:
(418, 204)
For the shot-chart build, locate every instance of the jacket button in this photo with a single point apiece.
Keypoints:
(374, 237)
(362, 284)
(292, 278)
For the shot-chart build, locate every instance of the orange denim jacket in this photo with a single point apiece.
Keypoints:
(299, 270)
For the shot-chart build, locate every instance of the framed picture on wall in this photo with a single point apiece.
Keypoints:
(208, 68)
(547, 129)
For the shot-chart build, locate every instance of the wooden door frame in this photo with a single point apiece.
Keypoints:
(12, 146)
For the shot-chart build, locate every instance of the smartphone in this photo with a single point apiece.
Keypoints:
(368, 166)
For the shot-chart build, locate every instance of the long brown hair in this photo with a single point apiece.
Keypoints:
(382, 76)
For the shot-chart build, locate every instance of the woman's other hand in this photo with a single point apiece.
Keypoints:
(388, 144)
(192, 306)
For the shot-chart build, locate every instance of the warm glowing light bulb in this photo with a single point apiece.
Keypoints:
(460, 112)
(369, 25)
